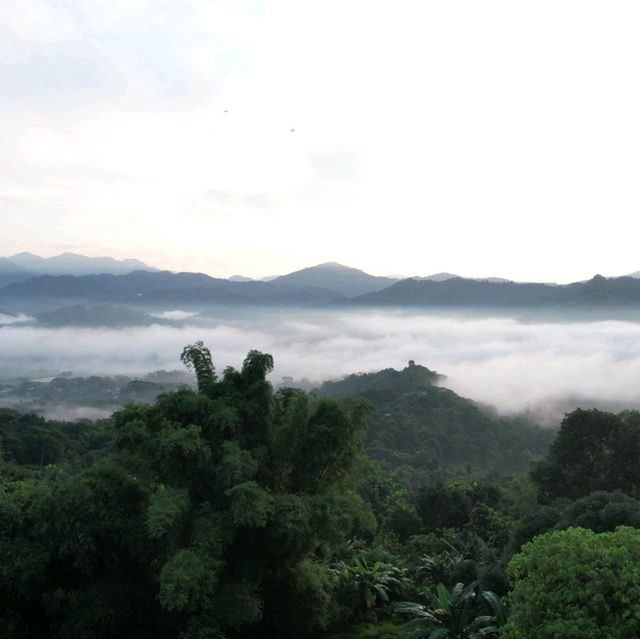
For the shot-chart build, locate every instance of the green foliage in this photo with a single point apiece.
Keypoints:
(367, 583)
(452, 559)
(197, 357)
(458, 613)
(576, 584)
(461, 505)
(593, 450)
(493, 527)
(425, 428)
(539, 520)
(236, 465)
(167, 511)
(210, 514)
(30, 440)
(250, 504)
(187, 581)
(238, 512)
(443, 507)
(601, 511)
(400, 516)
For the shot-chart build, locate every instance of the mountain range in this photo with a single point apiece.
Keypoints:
(23, 266)
(596, 292)
(58, 298)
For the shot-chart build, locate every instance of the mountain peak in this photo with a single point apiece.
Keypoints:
(439, 277)
(328, 266)
(24, 254)
(332, 276)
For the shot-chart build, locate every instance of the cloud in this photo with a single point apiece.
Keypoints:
(438, 131)
(6, 320)
(53, 72)
(334, 165)
(148, 55)
(541, 367)
(174, 315)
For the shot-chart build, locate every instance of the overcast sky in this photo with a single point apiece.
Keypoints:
(484, 138)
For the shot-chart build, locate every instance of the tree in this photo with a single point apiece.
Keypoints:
(593, 450)
(215, 514)
(400, 516)
(443, 506)
(197, 357)
(601, 511)
(576, 584)
(490, 525)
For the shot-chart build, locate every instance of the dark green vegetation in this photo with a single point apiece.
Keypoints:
(237, 511)
(423, 430)
(588, 585)
(593, 451)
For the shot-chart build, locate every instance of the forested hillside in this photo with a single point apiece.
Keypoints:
(235, 511)
(428, 428)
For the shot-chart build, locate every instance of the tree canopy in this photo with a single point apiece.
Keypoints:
(593, 450)
(213, 516)
(576, 584)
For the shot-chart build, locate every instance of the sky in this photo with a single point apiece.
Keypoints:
(493, 138)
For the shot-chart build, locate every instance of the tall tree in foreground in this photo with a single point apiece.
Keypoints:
(215, 517)
(576, 584)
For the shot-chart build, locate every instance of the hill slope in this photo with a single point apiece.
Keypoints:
(426, 427)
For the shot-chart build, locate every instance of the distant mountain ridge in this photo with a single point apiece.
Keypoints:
(71, 264)
(320, 285)
(11, 272)
(7, 265)
(315, 285)
(442, 277)
(596, 292)
(24, 266)
(161, 288)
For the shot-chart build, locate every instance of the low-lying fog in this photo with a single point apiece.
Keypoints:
(542, 367)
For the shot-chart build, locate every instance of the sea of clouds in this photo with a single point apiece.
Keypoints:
(543, 367)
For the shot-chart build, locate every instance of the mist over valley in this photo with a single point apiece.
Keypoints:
(515, 364)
